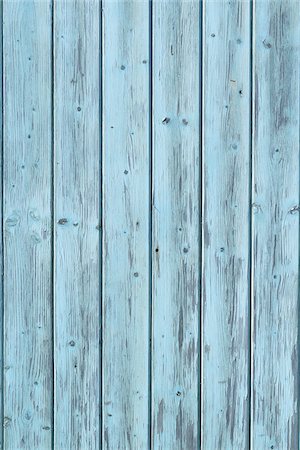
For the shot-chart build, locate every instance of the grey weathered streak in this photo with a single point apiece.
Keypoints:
(126, 207)
(276, 72)
(77, 378)
(226, 230)
(176, 217)
(27, 359)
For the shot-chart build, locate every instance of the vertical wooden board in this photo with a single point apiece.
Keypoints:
(27, 219)
(77, 215)
(126, 207)
(176, 220)
(275, 405)
(226, 229)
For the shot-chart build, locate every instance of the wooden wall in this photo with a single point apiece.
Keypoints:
(150, 224)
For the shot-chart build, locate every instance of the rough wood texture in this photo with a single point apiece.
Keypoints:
(176, 217)
(226, 229)
(27, 361)
(126, 206)
(275, 406)
(150, 175)
(77, 216)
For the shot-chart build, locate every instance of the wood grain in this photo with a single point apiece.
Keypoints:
(275, 398)
(27, 364)
(149, 291)
(126, 206)
(77, 217)
(176, 217)
(226, 230)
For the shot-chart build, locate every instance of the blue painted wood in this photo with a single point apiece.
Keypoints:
(276, 72)
(77, 218)
(226, 156)
(150, 225)
(27, 360)
(126, 228)
(176, 231)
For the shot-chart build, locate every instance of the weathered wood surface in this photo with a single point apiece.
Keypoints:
(176, 231)
(150, 210)
(126, 217)
(27, 361)
(275, 377)
(77, 378)
(226, 225)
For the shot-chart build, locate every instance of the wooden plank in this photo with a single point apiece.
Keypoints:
(27, 236)
(126, 207)
(275, 405)
(176, 219)
(77, 216)
(226, 229)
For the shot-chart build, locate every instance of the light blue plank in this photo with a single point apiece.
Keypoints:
(126, 206)
(77, 214)
(27, 220)
(176, 220)
(226, 225)
(275, 396)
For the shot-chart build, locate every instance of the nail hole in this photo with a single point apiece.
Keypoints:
(266, 45)
(62, 221)
(294, 209)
